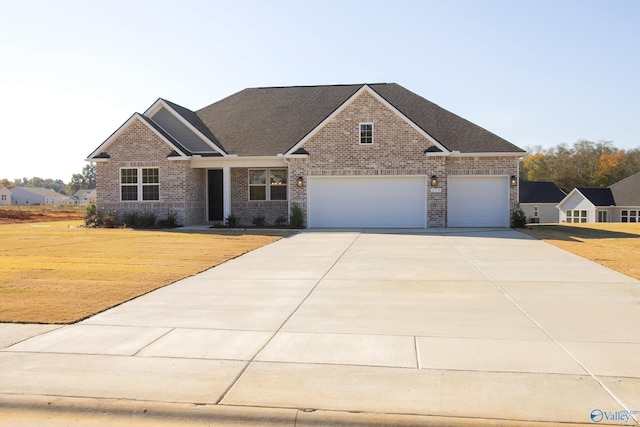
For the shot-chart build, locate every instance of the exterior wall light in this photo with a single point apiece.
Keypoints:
(434, 180)
(513, 180)
(299, 181)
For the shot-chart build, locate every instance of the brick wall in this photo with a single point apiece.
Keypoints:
(182, 189)
(398, 149)
(246, 210)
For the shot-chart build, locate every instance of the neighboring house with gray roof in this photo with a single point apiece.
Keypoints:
(366, 155)
(85, 196)
(539, 201)
(38, 196)
(619, 202)
(5, 196)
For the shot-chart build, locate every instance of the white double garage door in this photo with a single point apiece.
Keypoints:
(401, 201)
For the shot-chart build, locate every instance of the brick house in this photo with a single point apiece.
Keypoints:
(368, 155)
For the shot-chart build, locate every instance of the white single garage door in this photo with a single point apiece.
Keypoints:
(478, 201)
(342, 202)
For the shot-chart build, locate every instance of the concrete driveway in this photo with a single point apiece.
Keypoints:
(435, 327)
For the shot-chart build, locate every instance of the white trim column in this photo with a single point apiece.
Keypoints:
(226, 183)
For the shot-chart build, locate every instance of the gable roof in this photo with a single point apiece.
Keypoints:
(598, 196)
(40, 191)
(450, 130)
(540, 192)
(627, 191)
(100, 155)
(270, 121)
(275, 120)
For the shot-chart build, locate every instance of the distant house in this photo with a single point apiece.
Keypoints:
(38, 196)
(84, 197)
(539, 201)
(618, 203)
(5, 196)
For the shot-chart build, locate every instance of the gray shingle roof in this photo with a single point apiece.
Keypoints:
(598, 196)
(195, 121)
(270, 121)
(627, 191)
(450, 130)
(540, 192)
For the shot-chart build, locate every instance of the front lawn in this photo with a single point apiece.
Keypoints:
(614, 245)
(56, 272)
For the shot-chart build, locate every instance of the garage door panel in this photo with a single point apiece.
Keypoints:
(478, 201)
(395, 202)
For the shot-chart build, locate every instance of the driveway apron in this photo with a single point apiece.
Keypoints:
(465, 323)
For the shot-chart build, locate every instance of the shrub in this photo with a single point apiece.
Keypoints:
(280, 221)
(109, 220)
(518, 218)
(297, 217)
(147, 220)
(171, 221)
(91, 216)
(259, 221)
(232, 221)
(131, 219)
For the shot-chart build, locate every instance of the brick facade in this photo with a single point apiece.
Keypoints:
(246, 210)
(398, 149)
(181, 187)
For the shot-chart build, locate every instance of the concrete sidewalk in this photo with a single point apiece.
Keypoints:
(433, 327)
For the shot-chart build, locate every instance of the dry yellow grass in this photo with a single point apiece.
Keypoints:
(614, 245)
(57, 272)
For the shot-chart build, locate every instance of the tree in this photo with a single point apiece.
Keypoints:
(84, 180)
(584, 164)
(89, 174)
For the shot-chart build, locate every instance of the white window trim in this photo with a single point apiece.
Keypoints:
(360, 134)
(267, 184)
(536, 211)
(139, 184)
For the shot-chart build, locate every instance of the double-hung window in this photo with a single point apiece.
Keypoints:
(630, 216)
(366, 133)
(268, 184)
(576, 216)
(139, 184)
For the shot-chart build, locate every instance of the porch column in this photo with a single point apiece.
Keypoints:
(226, 199)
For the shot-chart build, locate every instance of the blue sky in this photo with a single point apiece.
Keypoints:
(534, 72)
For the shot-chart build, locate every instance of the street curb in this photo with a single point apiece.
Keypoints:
(22, 410)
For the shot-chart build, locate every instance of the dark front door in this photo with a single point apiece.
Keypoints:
(214, 178)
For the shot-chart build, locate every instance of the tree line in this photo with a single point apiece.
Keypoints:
(79, 181)
(583, 164)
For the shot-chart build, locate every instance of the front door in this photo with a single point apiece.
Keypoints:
(214, 193)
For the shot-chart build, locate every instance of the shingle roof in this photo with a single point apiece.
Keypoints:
(270, 121)
(40, 191)
(598, 196)
(450, 130)
(627, 191)
(195, 121)
(540, 192)
(166, 135)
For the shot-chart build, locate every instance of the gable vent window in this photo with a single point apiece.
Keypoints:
(139, 184)
(366, 133)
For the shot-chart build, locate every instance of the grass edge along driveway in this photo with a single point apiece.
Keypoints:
(612, 244)
(57, 272)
